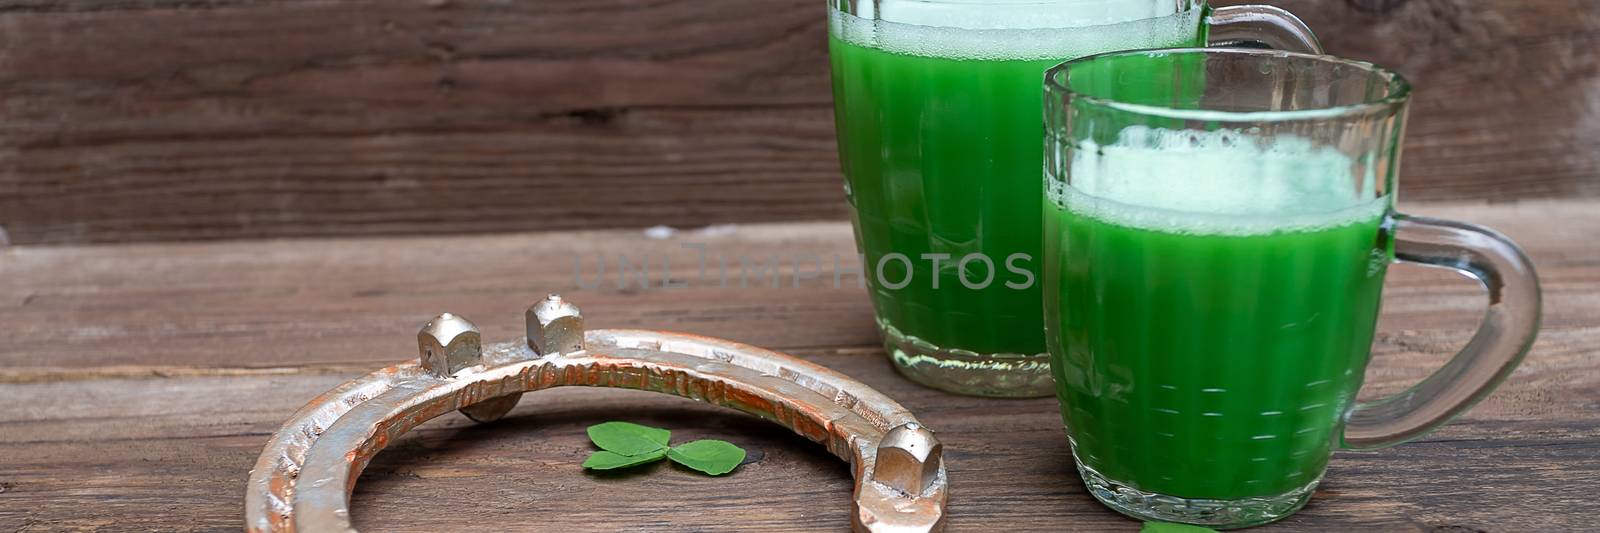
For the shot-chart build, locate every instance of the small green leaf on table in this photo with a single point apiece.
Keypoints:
(629, 439)
(604, 460)
(712, 457)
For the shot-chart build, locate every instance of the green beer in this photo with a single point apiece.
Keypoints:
(1216, 301)
(1214, 261)
(939, 120)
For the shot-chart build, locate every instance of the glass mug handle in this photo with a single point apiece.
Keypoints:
(1503, 338)
(1274, 27)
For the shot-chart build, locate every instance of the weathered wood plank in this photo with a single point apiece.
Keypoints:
(287, 303)
(173, 453)
(139, 383)
(136, 120)
(242, 119)
(274, 304)
(1505, 90)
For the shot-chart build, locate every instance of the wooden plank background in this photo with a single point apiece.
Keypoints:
(139, 382)
(140, 120)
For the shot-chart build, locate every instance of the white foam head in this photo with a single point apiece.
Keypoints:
(1018, 14)
(1016, 29)
(1218, 182)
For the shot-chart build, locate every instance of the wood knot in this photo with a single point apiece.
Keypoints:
(1454, 529)
(598, 116)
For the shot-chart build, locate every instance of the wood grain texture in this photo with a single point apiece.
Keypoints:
(139, 120)
(1508, 92)
(140, 382)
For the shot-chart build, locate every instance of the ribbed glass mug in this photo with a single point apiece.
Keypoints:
(1215, 255)
(938, 114)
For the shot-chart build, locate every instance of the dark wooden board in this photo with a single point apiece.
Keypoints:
(138, 384)
(173, 454)
(138, 120)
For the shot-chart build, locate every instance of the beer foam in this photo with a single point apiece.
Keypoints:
(985, 30)
(1219, 182)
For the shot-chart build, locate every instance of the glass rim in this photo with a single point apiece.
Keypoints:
(1398, 95)
(1183, 6)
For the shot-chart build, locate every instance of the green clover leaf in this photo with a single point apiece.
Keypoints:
(713, 457)
(629, 439)
(625, 444)
(604, 460)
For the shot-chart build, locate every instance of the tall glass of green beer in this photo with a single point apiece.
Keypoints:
(1214, 259)
(939, 118)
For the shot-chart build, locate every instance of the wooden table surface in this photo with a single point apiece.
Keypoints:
(139, 382)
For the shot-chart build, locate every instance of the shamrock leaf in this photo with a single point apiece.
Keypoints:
(1168, 527)
(604, 460)
(624, 438)
(713, 457)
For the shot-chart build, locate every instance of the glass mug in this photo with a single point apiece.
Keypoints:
(937, 110)
(1214, 259)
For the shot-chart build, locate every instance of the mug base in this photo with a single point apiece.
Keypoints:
(1215, 514)
(967, 372)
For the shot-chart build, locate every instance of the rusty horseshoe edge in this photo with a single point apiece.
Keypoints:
(303, 478)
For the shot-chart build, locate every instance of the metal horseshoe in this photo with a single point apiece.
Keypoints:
(303, 478)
